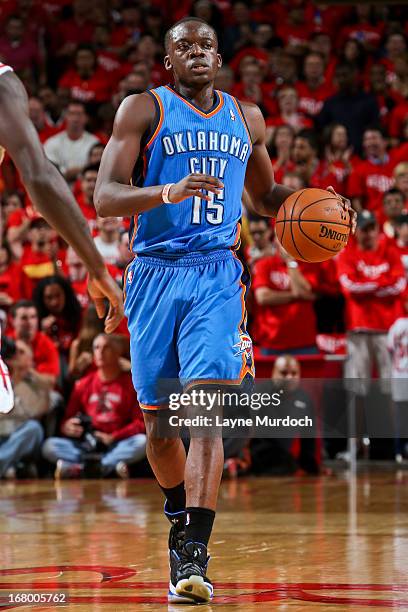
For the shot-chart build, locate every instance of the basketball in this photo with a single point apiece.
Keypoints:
(312, 225)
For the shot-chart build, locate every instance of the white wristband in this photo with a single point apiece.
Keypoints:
(292, 264)
(165, 193)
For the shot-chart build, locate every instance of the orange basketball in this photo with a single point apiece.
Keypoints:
(312, 225)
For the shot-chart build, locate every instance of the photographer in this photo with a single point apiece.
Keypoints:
(102, 417)
(277, 455)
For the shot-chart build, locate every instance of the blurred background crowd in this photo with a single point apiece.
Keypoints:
(332, 84)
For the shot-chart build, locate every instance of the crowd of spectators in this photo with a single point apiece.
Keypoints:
(332, 84)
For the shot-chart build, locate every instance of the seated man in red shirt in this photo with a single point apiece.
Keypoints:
(373, 283)
(25, 325)
(283, 319)
(106, 401)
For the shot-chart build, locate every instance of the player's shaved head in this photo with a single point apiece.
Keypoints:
(173, 30)
(192, 53)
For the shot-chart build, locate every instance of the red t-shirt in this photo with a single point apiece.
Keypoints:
(397, 119)
(70, 31)
(365, 33)
(311, 100)
(328, 279)
(341, 171)
(63, 333)
(112, 405)
(48, 131)
(16, 218)
(300, 121)
(33, 267)
(46, 358)
(45, 354)
(370, 181)
(284, 326)
(268, 102)
(327, 175)
(373, 283)
(89, 212)
(10, 282)
(22, 57)
(54, 7)
(281, 170)
(403, 251)
(80, 288)
(294, 35)
(98, 88)
(121, 35)
(259, 54)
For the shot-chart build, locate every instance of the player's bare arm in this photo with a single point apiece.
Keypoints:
(266, 196)
(51, 195)
(114, 195)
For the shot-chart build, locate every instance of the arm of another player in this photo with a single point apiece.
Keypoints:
(267, 196)
(114, 195)
(51, 195)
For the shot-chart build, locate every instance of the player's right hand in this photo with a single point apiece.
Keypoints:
(194, 185)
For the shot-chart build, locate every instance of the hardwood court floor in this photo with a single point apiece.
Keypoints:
(287, 544)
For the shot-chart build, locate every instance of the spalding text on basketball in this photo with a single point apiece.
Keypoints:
(332, 234)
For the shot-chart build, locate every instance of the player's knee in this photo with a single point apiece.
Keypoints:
(157, 442)
(160, 446)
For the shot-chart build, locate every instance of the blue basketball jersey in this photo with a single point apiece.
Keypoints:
(186, 140)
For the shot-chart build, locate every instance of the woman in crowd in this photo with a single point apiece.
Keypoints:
(59, 311)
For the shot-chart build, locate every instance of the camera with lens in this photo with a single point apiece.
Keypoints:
(89, 441)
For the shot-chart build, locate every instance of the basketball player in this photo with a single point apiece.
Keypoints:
(50, 193)
(187, 149)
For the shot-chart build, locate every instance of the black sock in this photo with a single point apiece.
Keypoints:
(176, 498)
(199, 524)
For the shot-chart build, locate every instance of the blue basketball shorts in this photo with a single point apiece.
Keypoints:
(187, 321)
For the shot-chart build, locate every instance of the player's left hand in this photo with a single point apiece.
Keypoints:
(347, 207)
(102, 287)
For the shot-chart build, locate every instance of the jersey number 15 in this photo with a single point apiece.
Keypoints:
(214, 211)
